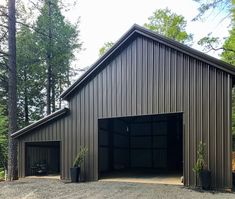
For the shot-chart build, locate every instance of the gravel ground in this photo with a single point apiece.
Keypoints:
(44, 188)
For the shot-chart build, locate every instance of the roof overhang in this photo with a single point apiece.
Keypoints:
(40, 122)
(136, 30)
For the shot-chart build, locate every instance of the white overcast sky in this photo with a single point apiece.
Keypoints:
(108, 20)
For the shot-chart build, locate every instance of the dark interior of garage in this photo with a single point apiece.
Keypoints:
(42, 158)
(151, 144)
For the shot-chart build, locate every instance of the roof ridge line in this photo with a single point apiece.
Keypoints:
(137, 29)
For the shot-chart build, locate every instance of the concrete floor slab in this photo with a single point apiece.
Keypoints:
(173, 179)
(55, 177)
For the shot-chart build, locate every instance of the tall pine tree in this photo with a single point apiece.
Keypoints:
(30, 78)
(56, 50)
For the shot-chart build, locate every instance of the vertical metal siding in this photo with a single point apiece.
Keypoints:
(148, 78)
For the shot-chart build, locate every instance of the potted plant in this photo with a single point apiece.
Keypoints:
(200, 168)
(233, 168)
(76, 169)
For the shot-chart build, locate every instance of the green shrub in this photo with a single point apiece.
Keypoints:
(80, 157)
(3, 137)
(200, 164)
(2, 174)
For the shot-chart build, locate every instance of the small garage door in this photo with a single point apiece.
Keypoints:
(42, 158)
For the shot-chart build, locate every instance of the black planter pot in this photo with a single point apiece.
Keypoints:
(205, 178)
(75, 174)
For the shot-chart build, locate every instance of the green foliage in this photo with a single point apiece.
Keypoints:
(169, 24)
(62, 44)
(80, 157)
(209, 43)
(213, 43)
(200, 164)
(105, 48)
(164, 22)
(2, 174)
(3, 137)
(30, 77)
(228, 55)
(32, 47)
(3, 56)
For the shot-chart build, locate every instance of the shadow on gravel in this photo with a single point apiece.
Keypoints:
(74, 183)
(67, 182)
(200, 190)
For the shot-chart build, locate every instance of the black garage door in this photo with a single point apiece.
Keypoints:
(42, 158)
(149, 143)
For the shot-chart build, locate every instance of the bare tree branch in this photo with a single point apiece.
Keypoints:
(4, 35)
(220, 48)
(4, 26)
(31, 27)
(3, 53)
(3, 13)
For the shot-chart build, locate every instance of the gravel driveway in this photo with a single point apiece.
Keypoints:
(45, 188)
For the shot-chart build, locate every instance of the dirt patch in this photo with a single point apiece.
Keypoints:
(47, 188)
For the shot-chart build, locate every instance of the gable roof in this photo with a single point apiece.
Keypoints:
(134, 31)
(40, 122)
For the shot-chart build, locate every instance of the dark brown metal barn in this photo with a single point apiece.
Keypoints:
(145, 104)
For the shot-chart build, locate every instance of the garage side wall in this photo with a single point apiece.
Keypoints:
(150, 78)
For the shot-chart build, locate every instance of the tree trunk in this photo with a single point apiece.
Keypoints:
(53, 93)
(48, 61)
(60, 87)
(26, 108)
(12, 98)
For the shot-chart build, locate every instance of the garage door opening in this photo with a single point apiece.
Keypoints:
(42, 158)
(142, 148)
